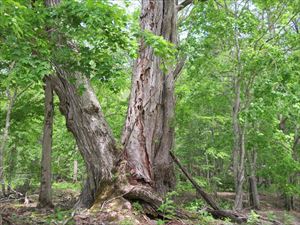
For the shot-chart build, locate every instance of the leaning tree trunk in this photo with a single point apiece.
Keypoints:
(84, 118)
(148, 134)
(94, 138)
(45, 199)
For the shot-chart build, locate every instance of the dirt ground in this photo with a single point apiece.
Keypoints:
(21, 212)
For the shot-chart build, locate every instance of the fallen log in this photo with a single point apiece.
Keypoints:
(216, 211)
(208, 199)
(232, 215)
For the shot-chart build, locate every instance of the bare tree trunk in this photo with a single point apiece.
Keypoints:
(45, 196)
(10, 103)
(238, 130)
(148, 134)
(93, 136)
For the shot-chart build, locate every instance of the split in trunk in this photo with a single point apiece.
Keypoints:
(148, 133)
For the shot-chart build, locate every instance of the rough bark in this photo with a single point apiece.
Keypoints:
(45, 195)
(148, 134)
(84, 118)
(10, 103)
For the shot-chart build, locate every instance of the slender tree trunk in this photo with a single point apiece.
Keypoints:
(45, 196)
(148, 133)
(10, 103)
(238, 129)
(12, 166)
(253, 192)
(93, 136)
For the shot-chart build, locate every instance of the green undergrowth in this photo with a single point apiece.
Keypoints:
(60, 216)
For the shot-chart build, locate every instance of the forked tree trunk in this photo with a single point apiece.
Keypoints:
(45, 199)
(84, 118)
(148, 134)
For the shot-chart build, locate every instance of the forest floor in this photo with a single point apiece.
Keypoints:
(18, 212)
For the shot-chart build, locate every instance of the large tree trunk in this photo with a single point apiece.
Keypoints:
(45, 199)
(148, 134)
(10, 103)
(84, 118)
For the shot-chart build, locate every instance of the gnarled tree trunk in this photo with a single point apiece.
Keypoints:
(84, 118)
(93, 136)
(148, 134)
